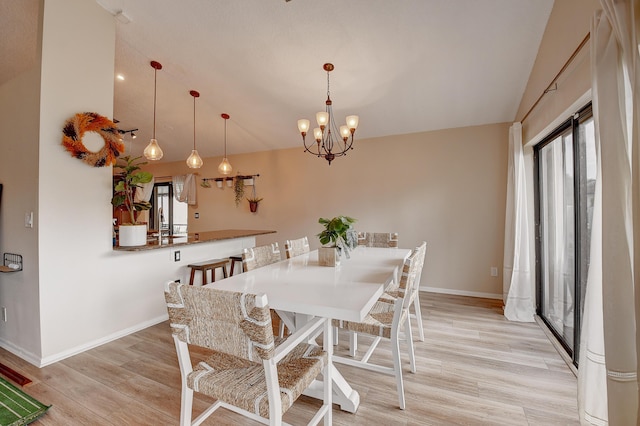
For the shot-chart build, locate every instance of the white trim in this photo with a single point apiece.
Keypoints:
(43, 362)
(461, 292)
(562, 117)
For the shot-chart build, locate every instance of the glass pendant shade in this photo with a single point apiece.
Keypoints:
(153, 151)
(317, 134)
(322, 118)
(345, 132)
(303, 125)
(225, 167)
(194, 161)
(352, 121)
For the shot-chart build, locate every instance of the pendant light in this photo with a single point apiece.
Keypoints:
(225, 167)
(194, 161)
(153, 151)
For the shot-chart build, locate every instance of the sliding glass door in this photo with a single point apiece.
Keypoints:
(565, 172)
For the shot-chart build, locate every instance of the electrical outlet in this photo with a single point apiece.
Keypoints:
(494, 271)
(196, 215)
(176, 256)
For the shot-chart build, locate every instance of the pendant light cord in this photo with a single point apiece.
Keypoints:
(225, 138)
(155, 85)
(194, 122)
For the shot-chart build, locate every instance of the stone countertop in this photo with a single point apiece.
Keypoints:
(195, 238)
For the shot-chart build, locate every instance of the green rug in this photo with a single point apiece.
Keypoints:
(16, 407)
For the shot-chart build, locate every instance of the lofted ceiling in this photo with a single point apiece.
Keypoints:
(403, 66)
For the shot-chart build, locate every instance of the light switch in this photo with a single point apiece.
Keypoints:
(28, 220)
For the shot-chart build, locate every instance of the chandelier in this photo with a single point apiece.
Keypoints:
(331, 142)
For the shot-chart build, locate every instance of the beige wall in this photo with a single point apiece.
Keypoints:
(446, 187)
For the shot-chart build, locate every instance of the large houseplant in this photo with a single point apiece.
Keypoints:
(131, 178)
(337, 237)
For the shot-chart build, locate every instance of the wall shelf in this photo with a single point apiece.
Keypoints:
(248, 180)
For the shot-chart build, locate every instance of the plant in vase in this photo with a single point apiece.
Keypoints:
(124, 193)
(337, 237)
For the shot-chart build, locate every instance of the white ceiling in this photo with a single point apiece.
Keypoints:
(403, 66)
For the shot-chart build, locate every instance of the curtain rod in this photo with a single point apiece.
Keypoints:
(555, 79)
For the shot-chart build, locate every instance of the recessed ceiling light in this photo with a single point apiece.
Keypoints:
(120, 77)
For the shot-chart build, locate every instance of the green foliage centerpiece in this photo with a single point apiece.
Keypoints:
(337, 237)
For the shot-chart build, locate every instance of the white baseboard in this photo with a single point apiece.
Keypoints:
(21, 353)
(461, 292)
(43, 362)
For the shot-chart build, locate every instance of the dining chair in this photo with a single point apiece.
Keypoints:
(385, 320)
(396, 290)
(257, 257)
(296, 247)
(378, 239)
(246, 369)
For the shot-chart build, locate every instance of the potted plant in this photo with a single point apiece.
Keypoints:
(131, 178)
(337, 237)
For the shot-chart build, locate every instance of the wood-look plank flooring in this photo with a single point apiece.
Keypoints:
(474, 368)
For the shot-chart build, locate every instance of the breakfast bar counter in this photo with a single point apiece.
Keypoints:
(194, 238)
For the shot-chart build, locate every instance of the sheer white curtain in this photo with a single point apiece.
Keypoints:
(184, 188)
(517, 279)
(615, 84)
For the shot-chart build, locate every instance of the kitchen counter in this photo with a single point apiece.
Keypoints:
(195, 238)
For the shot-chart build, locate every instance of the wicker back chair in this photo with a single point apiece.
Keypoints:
(260, 256)
(378, 239)
(385, 320)
(398, 290)
(241, 370)
(296, 247)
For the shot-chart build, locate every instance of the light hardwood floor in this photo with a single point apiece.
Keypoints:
(474, 368)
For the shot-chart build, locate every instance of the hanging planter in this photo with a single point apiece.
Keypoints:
(229, 181)
(219, 182)
(254, 200)
(238, 189)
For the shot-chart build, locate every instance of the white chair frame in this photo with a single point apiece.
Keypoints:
(313, 327)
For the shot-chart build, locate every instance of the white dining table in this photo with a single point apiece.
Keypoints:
(347, 292)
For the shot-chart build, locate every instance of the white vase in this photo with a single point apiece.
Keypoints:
(132, 235)
(328, 256)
